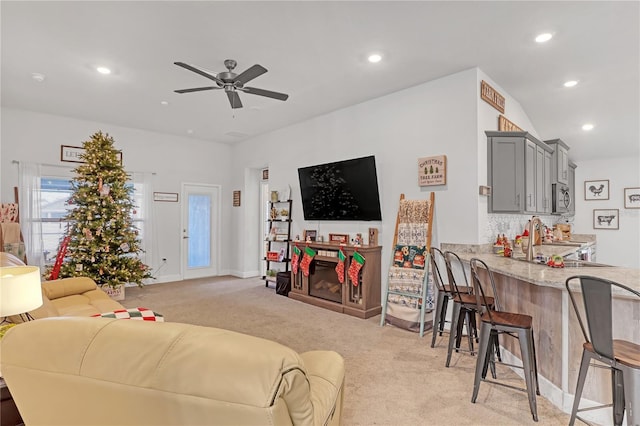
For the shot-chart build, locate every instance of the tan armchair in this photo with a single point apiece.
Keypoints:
(97, 371)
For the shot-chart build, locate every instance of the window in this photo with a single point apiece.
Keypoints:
(54, 195)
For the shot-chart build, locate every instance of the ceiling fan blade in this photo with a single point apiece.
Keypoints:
(234, 99)
(267, 93)
(198, 71)
(250, 73)
(197, 89)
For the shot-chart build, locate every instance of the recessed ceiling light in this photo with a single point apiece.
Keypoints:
(37, 77)
(570, 83)
(544, 37)
(587, 127)
(374, 58)
(103, 70)
(165, 103)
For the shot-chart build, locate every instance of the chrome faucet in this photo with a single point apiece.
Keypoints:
(532, 229)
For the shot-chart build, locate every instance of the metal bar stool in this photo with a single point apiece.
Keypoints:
(464, 308)
(494, 322)
(621, 356)
(445, 292)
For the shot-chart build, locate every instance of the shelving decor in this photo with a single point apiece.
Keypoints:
(278, 240)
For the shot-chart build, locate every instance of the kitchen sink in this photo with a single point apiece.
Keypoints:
(564, 243)
(583, 263)
(567, 263)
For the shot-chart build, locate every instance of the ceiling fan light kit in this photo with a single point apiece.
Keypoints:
(232, 82)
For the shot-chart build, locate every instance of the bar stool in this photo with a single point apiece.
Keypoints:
(445, 292)
(621, 356)
(464, 308)
(494, 322)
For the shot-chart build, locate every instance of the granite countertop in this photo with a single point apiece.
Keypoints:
(544, 275)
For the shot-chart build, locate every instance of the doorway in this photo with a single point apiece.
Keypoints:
(200, 230)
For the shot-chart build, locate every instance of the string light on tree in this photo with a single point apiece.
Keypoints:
(103, 241)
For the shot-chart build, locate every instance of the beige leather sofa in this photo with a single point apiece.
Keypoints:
(79, 296)
(98, 371)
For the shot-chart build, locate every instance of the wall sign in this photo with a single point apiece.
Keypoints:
(166, 196)
(491, 96)
(236, 198)
(504, 125)
(72, 154)
(432, 170)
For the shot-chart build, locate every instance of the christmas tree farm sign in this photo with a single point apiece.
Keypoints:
(432, 170)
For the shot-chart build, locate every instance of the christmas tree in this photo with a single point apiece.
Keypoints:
(103, 243)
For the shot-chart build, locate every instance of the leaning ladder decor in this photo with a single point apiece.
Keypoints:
(409, 292)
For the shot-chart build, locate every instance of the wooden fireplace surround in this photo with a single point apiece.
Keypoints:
(360, 299)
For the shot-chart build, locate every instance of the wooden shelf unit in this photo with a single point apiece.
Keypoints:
(284, 226)
(360, 299)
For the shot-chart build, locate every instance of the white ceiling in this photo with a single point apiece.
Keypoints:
(316, 52)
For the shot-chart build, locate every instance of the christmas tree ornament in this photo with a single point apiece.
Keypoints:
(309, 254)
(295, 259)
(104, 191)
(340, 266)
(124, 247)
(354, 268)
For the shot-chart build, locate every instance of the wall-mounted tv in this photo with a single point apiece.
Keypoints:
(344, 190)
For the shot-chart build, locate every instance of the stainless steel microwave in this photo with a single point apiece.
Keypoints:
(561, 198)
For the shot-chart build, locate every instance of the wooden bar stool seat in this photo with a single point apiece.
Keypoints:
(620, 356)
(446, 292)
(494, 322)
(464, 309)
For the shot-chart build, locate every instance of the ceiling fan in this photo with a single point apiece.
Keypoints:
(232, 82)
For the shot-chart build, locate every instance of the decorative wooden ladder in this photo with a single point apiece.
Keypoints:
(422, 295)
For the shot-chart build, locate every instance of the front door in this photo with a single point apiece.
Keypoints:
(200, 230)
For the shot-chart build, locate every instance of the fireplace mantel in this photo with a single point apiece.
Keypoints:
(361, 299)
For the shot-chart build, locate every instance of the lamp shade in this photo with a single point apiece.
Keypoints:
(20, 290)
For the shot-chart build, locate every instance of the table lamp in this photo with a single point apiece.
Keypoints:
(20, 291)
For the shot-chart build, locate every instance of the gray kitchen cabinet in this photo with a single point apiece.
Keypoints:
(518, 173)
(543, 180)
(560, 159)
(572, 187)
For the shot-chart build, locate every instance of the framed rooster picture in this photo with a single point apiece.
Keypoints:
(596, 190)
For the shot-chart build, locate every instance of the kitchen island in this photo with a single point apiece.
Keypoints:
(539, 291)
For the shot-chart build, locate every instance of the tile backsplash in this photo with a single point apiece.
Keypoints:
(513, 224)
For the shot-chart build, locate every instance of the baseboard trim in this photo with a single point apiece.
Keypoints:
(243, 274)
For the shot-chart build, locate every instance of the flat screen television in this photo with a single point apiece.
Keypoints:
(343, 190)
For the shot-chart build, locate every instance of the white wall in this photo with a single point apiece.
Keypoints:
(434, 118)
(614, 247)
(34, 137)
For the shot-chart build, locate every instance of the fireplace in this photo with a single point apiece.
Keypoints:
(323, 281)
(320, 287)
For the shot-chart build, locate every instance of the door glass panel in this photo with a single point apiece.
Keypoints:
(199, 232)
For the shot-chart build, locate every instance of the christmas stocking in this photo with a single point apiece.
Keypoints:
(355, 266)
(340, 266)
(295, 260)
(306, 260)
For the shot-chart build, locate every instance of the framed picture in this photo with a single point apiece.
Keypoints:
(596, 190)
(71, 154)
(310, 234)
(632, 198)
(166, 196)
(605, 219)
(339, 238)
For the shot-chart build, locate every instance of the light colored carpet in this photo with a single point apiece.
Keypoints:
(393, 377)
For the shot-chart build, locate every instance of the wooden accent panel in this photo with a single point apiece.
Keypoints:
(544, 304)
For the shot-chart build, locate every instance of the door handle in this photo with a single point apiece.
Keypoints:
(185, 237)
